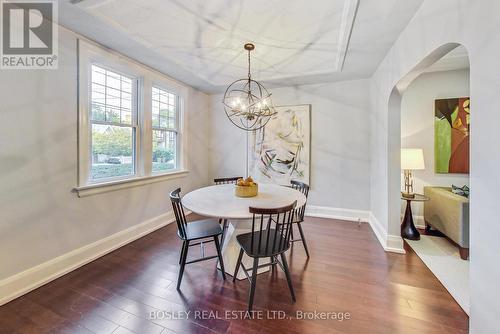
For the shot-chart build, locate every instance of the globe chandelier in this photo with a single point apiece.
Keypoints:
(247, 102)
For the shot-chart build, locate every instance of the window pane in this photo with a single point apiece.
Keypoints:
(113, 80)
(111, 96)
(164, 150)
(98, 75)
(126, 84)
(156, 94)
(164, 109)
(126, 116)
(156, 115)
(112, 115)
(98, 113)
(163, 121)
(112, 151)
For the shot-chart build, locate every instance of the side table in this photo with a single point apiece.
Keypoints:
(408, 229)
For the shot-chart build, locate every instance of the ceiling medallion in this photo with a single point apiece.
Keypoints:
(247, 102)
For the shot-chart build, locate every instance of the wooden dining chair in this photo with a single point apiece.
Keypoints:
(298, 218)
(194, 231)
(269, 238)
(224, 222)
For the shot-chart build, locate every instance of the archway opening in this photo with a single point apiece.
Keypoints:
(429, 113)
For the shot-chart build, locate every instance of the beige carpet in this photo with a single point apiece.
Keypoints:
(443, 259)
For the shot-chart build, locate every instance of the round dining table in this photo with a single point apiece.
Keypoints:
(219, 201)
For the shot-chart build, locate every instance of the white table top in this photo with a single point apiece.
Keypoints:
(220, 202)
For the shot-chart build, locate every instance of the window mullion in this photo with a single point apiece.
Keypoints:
(146, 127)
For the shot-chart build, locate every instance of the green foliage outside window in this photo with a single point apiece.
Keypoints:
(114, 141)
(161, 154)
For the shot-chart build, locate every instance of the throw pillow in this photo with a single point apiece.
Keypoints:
(462, 191)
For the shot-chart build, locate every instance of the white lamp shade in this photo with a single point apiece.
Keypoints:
(412, 159)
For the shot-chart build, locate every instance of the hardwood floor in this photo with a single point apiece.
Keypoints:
(348, 272)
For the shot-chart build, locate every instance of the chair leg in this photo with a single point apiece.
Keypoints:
(288, 276)
(183, 264)
(303, 239)
(238, 263)
(273, 266)
(217, 246)
(224, 230)
(182, 251)
(254, 283)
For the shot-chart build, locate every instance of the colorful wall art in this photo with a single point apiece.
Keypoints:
(452, 126)
(280, 151)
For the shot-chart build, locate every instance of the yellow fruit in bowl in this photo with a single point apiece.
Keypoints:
(248, 182)
(246, 188)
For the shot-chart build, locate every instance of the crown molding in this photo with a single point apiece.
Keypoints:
(348, 18)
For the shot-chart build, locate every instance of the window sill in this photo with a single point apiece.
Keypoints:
(99, 188)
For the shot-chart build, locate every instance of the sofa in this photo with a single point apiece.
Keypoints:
(449, 214)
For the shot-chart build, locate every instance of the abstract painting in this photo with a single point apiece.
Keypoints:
(452, 126)
(280, 151)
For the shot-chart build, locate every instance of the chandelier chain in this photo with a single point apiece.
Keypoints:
(249, 75)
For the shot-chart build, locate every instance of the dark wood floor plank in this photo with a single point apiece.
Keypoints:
(348, 272)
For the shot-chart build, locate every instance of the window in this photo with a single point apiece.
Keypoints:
(113, 124)
(130, 122)
(164, 124)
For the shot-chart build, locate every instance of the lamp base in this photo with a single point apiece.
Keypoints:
(407, 195)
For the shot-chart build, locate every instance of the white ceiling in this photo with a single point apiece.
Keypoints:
(200, 42)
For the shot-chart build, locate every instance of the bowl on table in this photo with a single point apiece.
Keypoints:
(246, 188)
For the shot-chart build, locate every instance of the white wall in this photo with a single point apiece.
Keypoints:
(41, 218)
(339, 149)
(417, 127)
(427, 37)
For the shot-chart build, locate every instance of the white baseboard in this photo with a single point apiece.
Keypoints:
(390, 243)
(30, 279)
(377, 229)
(394, 244)
(337, 213)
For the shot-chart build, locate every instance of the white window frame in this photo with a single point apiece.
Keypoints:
(165, 87)
(134, 124)
(90, 54)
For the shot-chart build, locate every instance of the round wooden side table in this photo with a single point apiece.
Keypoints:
(408, 229)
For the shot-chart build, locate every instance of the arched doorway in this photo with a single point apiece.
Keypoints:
(395, 143)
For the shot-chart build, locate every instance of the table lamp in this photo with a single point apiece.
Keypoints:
(411, 159)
